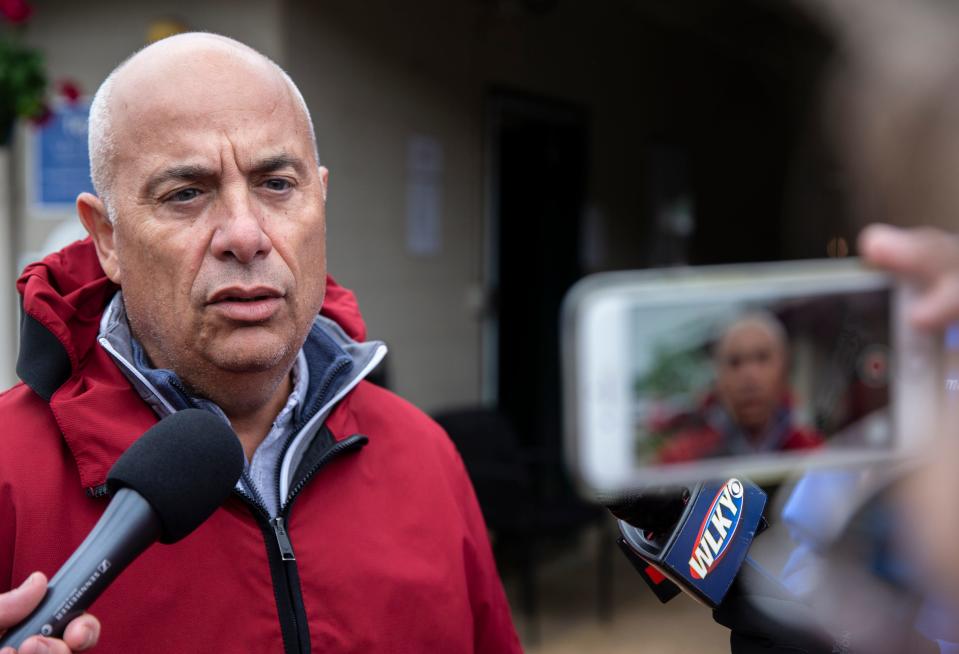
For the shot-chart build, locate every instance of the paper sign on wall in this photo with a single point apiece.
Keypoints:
(424, 195)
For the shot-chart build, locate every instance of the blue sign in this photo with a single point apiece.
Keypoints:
(62, 164)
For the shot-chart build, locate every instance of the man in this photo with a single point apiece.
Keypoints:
(749, 410)
(353, 527)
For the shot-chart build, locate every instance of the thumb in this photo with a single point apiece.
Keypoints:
(16, 604)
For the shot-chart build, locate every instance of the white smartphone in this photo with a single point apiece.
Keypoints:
(685, 374)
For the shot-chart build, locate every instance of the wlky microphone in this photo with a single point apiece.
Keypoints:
(694, 539)
(699, 544)
(164, 486)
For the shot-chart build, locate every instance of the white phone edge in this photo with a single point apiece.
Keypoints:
(593, 393)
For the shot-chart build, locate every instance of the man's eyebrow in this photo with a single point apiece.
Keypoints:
(193, 172)
(185, 172)
(278, 162)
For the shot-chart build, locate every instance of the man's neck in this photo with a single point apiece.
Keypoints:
(252, 427)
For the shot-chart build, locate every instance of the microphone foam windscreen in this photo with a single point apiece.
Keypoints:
(655, 509)
(185, 466)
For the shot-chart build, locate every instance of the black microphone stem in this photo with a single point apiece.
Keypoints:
(127, 527)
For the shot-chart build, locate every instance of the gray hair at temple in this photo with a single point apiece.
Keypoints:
(101, 142)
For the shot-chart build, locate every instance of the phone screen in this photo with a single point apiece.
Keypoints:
(730, 379)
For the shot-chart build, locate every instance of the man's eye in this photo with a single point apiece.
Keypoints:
(278, 184)
(184, 195)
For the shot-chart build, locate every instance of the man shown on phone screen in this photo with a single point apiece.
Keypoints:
(750, 406)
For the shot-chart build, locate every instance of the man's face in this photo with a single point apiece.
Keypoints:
(220, 230)
(751, 370)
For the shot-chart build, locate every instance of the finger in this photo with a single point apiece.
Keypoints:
(922, 254)
(82, 633)
(938, 306)
(878, 244)
(42, 645)
(17, 604)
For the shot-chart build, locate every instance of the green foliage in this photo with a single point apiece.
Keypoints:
(674, 372)
(23, 83)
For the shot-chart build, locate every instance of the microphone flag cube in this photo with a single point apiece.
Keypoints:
(706, 548)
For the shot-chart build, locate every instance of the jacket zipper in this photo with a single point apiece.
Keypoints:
(305, 420)
(348, 444)
(280, 553)
(283, 539)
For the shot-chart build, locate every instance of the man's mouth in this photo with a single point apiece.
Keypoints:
(246, 304)
(245, 299)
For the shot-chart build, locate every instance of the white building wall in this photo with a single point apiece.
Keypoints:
(377, 73)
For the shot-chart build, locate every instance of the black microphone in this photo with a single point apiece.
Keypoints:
(656, 509)
(703, 551)
(696, 537)
(698, 544)
(168, 482)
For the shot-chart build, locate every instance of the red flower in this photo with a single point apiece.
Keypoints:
(69, 89)
(42, 117)
(15, 11)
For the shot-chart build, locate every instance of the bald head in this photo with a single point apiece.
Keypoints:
(750, 325)
(183, 70)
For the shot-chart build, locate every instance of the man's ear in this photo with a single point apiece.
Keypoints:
(93, 214)
(325, 180)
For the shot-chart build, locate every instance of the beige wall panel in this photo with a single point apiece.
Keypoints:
(376, 73)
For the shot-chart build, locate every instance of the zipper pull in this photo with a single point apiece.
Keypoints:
(283, 539)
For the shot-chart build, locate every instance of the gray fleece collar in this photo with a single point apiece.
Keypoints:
(334, 361)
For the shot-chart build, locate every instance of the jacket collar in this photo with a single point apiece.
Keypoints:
(100, 414)
(332, 360)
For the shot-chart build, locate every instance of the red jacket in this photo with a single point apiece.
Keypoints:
(391, 550)
(711, 432)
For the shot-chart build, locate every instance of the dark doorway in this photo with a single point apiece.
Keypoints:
(538, 175)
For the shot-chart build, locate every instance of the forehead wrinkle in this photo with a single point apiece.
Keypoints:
(202, 144)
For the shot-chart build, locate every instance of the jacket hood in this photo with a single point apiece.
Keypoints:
(63, 297)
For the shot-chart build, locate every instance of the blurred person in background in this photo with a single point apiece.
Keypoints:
(872, 564)
(929, 259)
(893, 106)
(893, 113)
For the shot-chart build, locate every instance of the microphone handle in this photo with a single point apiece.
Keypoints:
(127, 527)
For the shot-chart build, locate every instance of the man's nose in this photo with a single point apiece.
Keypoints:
(748, 375)
(239, 232)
